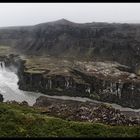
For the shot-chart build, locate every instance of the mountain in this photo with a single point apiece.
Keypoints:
(94, 41)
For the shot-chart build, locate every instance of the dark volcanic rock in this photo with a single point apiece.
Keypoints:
(24, 103)
(100, 81)
(1, 98)
(83, 111)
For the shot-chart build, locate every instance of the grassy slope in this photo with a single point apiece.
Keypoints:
(5, 50)
(16, 120)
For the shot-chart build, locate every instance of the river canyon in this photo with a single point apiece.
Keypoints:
(97, 62)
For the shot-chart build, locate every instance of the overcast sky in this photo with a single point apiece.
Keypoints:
(13, 14)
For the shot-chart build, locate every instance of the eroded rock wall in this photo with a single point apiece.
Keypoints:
(120, 91)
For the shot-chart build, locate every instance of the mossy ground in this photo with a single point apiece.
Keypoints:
(39, 64)
(23, 121)
(6, 50)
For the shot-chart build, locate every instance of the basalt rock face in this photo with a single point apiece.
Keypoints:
(126, 94)
(101, 41)
(121, 87)
(53, 84)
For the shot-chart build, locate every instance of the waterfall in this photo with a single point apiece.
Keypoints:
(9, 87)
(67, 83)
(88, 89)
(119, 89)
(119, 92)
(132, 88)
(2, 65)
(111, 88)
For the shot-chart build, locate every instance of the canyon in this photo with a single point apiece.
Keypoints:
(102, 81)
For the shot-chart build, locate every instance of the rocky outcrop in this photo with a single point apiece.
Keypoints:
(97, 82)
(123, 93)
(1, 98)
(83, 111)
(53, 85)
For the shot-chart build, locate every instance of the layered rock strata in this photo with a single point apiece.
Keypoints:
(104, 81)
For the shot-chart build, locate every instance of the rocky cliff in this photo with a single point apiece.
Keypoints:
(104, 81)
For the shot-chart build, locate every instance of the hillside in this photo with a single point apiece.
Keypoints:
(94, 41)
(23, 121)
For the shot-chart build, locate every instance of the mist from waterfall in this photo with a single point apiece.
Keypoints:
(9, 87)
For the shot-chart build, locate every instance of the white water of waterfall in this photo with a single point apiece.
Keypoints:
(9, 87)
(67, 83)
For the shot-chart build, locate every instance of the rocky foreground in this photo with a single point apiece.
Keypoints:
(84, 111)
(18, 120)
(81, 111)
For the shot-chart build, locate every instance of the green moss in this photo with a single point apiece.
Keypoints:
(5, 50)
(95, 96)
(22, 121)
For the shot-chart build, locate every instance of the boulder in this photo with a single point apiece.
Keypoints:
(24, 103)
(1, 98)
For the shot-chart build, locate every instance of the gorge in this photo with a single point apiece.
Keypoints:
(15, 68)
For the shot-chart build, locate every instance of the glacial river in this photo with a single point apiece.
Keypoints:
(10, 91)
